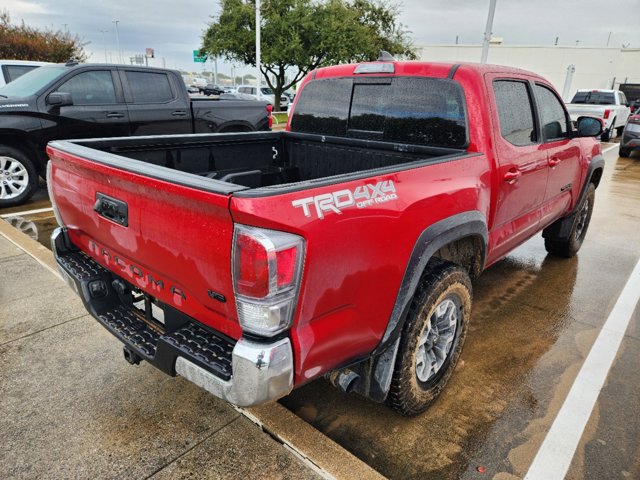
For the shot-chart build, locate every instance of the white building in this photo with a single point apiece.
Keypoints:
(595, 67)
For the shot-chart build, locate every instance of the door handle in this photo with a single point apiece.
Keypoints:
(179, 113)
(115, 115)
(553, 161)
(512, 175)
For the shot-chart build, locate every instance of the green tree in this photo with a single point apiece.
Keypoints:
(22, 42)
(302, 35)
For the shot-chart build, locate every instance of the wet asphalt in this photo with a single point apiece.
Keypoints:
(535, 318)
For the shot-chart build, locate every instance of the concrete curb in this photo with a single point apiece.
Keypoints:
(316, 450)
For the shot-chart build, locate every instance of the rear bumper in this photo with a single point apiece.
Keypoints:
(245, 373)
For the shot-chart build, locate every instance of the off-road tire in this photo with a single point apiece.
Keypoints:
(624, 152)
(569, 247)
(441, 281)
(15, 155)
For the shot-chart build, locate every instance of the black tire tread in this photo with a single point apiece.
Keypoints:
(569, 247)
(437, 274)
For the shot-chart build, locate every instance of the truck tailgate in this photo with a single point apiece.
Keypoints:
(169, 240)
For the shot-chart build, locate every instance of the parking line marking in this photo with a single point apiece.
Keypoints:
(558, 448)
(610, 148)
(26, 212)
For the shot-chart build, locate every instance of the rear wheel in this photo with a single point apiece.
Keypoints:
(606, 135)
(624, 152)
(18, 177)
(619, 131)
(569, 247)
(432, 337)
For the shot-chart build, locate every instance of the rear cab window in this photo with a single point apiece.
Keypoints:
(411, 110)
(594, 98)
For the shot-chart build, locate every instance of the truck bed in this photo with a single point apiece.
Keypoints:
(264, 162)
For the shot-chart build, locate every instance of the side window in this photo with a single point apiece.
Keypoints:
(90, 88)
(515, 112)
(149, 87)
(552, 115)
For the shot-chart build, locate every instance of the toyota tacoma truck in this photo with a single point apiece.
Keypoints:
(253, 263)
(611, 106)
(73, 101)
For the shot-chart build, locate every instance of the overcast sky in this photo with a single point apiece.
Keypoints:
(174, 28)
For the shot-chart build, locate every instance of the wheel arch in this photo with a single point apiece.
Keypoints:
(18, 140)
(453, 238)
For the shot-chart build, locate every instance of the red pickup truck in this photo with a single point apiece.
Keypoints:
(252, 263)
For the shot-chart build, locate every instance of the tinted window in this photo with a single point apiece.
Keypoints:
(90, 88)
(514, 112)
(552, 115)
(422, 111)
(323, 107)
(149, 87)
(369, 107)
(11, 72)
(594, 98)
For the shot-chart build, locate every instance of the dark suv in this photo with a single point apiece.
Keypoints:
(630, 136)
(211, 89)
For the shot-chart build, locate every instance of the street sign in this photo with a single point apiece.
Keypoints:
(197, 58)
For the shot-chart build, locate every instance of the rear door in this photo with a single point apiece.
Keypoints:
(98, 108)
(562, 153)
(522, 167)
(156, 103)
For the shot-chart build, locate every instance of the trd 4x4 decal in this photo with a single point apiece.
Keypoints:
(361, 197)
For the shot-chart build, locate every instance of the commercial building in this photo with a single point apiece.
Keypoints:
(593, 67)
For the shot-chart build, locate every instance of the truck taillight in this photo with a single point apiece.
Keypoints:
(607, 113)
(270, 115)
(267, 267)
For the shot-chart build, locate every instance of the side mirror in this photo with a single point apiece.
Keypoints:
(59, 99)
(589, 127)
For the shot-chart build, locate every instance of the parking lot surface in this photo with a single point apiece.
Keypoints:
(73, 405)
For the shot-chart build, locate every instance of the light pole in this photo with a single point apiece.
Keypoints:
(104, 43)
(258, 48)
(118, 39)
(487, 31)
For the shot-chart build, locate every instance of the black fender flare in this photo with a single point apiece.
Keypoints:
(377, 370)
(561, 228)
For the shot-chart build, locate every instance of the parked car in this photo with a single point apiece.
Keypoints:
(211, 89)
(199, 83)
(192, 90)
(343, 247)
(610, 105)
(266, 94)
(85, 100)
(12, 69)
(635, 106)
(630, 136)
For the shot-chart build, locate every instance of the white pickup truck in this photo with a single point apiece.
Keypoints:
(610, 105)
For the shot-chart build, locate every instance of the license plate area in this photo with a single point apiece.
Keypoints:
(148, 309)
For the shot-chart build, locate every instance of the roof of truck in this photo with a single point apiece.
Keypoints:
(428, 69)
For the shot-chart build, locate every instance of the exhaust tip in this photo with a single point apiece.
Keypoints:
(345, 380)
